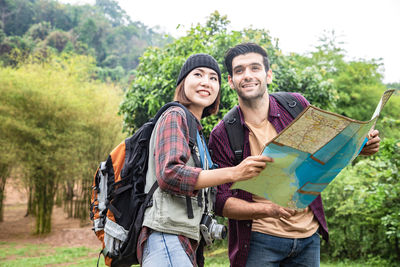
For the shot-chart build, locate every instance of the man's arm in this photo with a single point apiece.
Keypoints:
(372, 146)
(220, 154)
(227, 204)
(239, 209)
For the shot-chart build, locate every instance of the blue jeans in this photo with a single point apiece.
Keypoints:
(272, 251)
(163, 249)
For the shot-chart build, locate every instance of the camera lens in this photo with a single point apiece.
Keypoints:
(218, 231)
(223, 232)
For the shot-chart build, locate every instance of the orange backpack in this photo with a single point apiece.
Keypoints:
(118, 199)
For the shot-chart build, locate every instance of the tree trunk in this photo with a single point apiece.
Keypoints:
(31, 208)
(69, 198)
(82, 201)
(44, 200)
(4, 172)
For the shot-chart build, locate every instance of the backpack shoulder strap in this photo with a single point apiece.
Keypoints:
(289, 102)
(235, 130)
(192, 125)
(235, 133)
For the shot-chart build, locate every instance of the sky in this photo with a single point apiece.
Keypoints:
(369, 29)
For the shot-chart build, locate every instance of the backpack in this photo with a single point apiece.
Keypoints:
(235, 130)
(118, 199)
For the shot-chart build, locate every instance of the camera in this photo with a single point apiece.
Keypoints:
(211, 230)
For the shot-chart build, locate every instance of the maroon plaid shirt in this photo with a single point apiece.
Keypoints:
(172, 152)
(240, 230)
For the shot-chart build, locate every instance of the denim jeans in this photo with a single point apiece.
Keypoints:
(163, 249)
(272, 251)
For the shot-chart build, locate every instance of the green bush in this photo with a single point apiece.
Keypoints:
(362, 207)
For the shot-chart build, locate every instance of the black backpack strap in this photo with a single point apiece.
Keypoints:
(165, 107)
(289, 102)
(235, 133)
(150, 193)
(235, 129)
(192, 125)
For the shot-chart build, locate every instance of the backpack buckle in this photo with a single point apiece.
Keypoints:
(238, 154)
(232, 121)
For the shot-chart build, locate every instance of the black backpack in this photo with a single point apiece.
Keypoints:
(235, 129)
(118, 199)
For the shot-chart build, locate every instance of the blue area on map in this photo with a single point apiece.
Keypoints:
(333, 147)
(305, 170)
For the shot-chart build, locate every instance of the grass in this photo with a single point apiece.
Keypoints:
(15, 255)
(21, 255)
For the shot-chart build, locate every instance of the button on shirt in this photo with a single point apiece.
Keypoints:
(240, 230)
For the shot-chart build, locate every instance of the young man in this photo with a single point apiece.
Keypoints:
(262, 233)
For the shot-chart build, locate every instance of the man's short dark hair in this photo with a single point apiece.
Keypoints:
(243, 49)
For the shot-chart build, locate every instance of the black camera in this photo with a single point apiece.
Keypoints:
(211, 230)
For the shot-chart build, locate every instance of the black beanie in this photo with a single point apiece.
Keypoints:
(198, 60)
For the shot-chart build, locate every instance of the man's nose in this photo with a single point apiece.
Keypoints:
(247, 73)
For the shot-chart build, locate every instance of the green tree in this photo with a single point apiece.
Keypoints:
(58, 40)
(357, 84)
(39, 31)
(7, 158)
(16, 16)
(62, 125)
(55, 13)
(15, 49)
(113, 12)
(103, 31)
(393, 85)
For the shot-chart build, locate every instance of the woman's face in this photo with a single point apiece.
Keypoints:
(201, 87)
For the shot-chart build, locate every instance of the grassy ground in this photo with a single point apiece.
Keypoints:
(17, 255)
(21, 255)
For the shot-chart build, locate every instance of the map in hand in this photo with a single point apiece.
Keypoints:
(309, 154)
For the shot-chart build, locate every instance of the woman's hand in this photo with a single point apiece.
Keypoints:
(250, 167)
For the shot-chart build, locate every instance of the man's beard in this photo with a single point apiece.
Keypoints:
(260, 93)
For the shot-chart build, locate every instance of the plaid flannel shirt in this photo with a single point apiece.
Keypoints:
(172, 152)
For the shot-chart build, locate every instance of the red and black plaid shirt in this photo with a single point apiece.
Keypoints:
(171, 154)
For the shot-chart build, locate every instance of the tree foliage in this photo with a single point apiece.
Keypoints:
(103, 31)
(155, 77)
(362, 208)
(60, 126)
(357, 84)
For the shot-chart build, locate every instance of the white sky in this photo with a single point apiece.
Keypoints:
(368, 28)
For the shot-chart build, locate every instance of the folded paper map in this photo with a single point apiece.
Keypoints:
(309, 154)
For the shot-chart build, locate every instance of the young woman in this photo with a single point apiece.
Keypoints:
(170, 236)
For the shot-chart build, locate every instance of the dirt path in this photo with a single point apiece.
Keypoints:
(17, 228)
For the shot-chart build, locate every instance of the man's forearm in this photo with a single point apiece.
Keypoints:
(239, 209)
